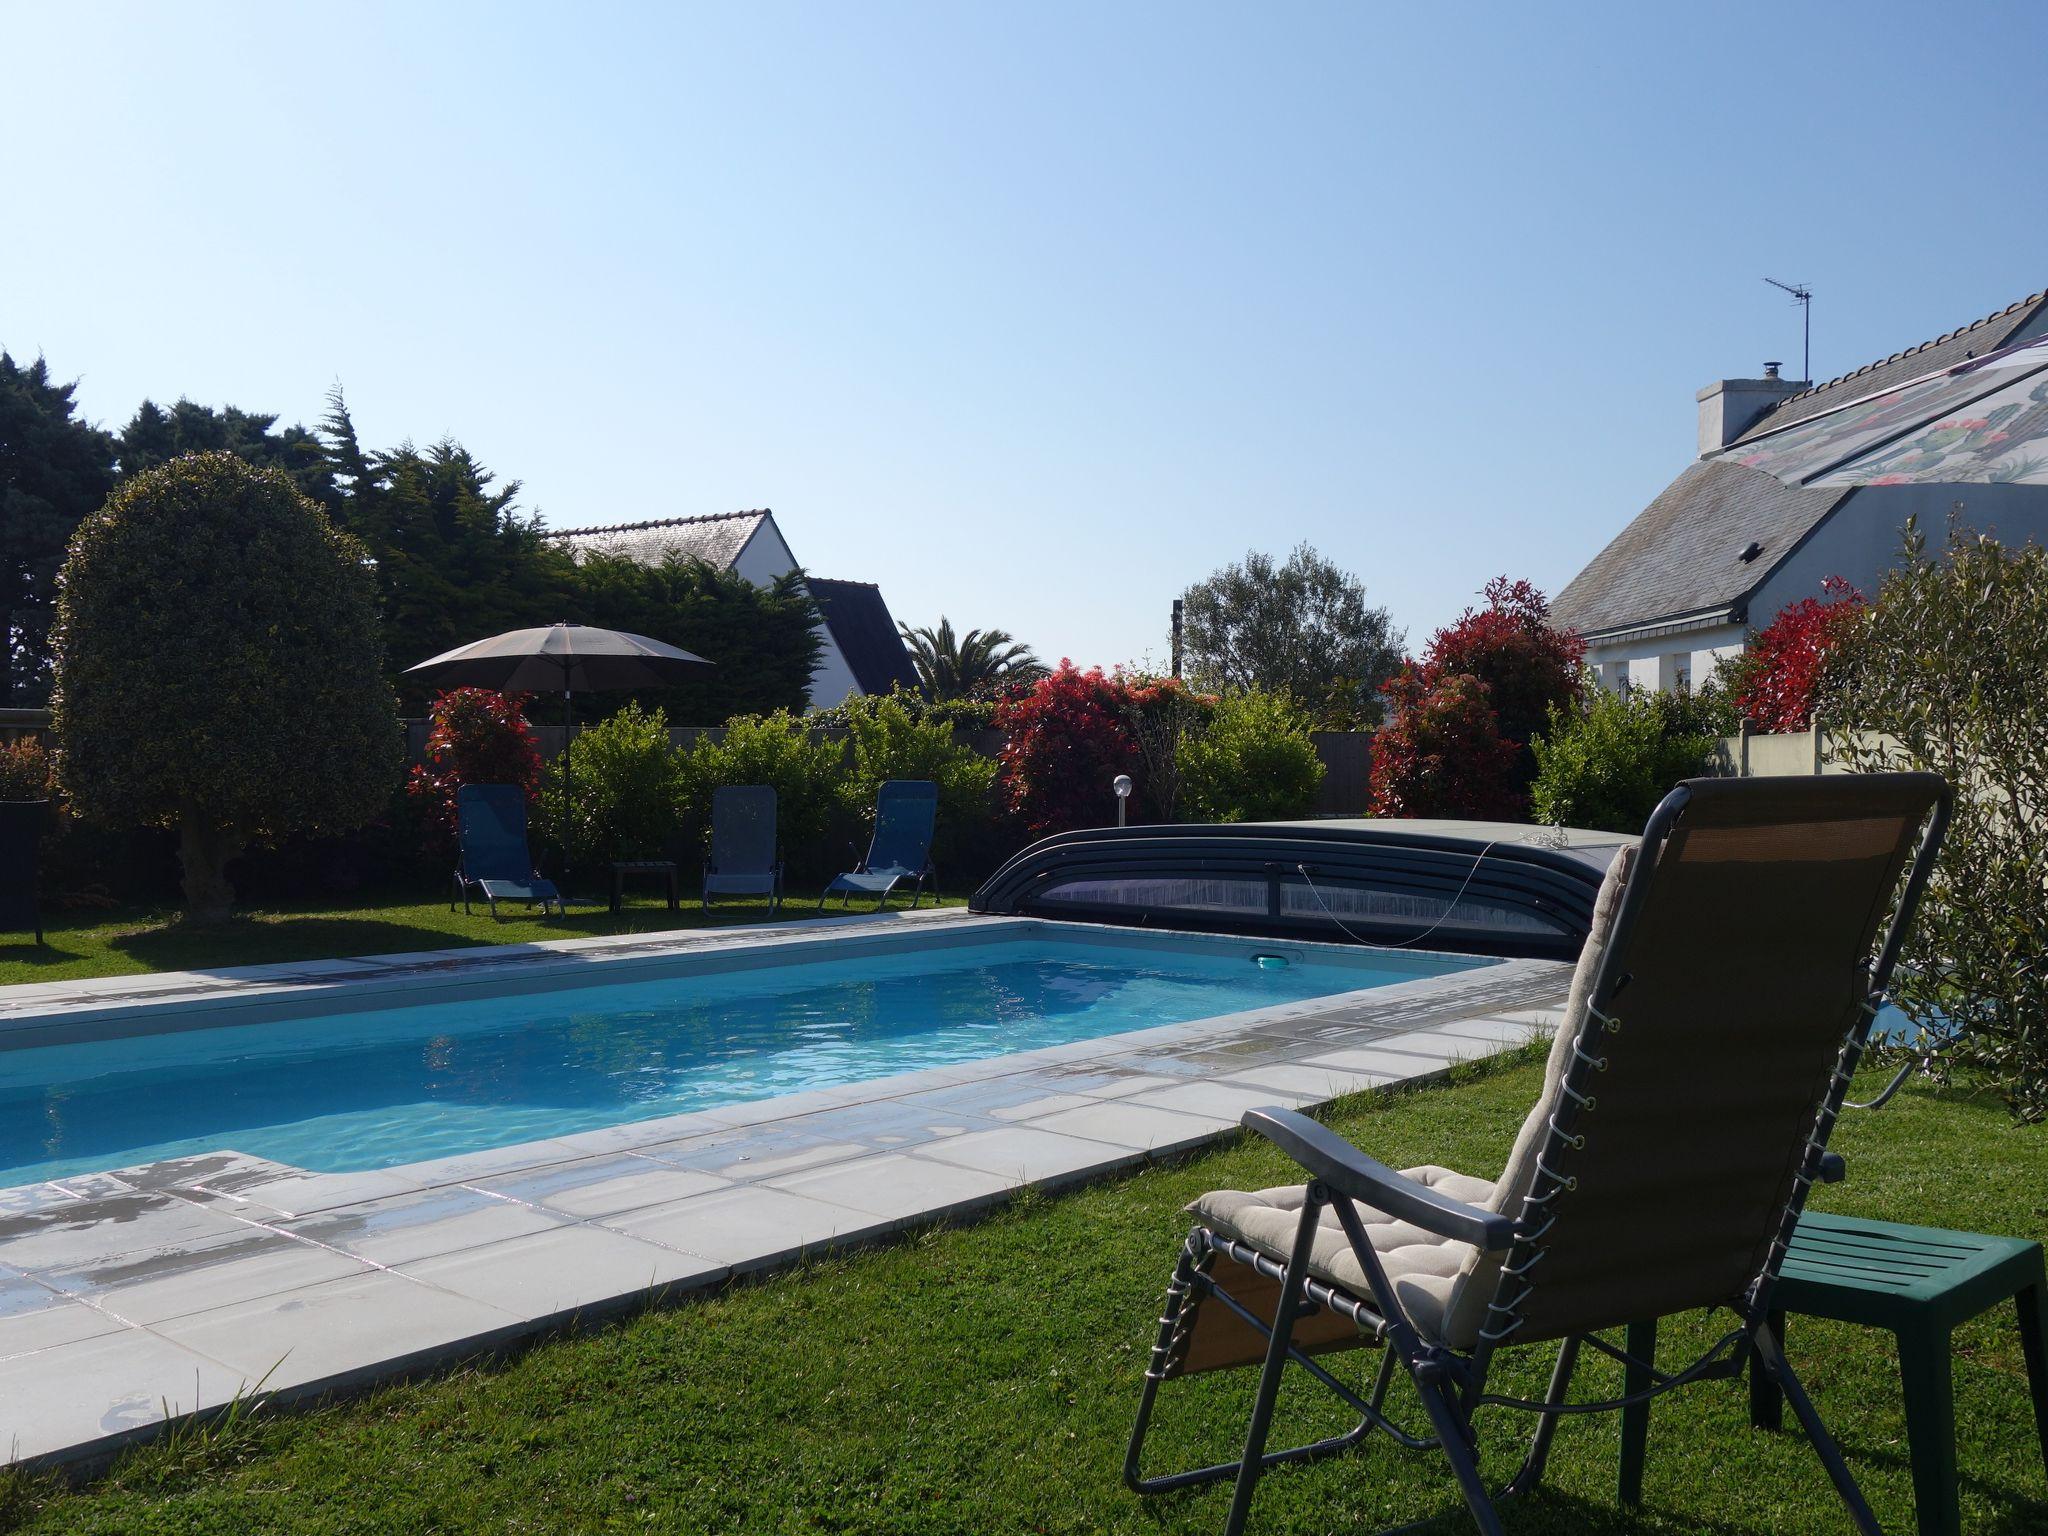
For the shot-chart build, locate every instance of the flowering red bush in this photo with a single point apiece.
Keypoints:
(1777, 679)
(1070, 735)
(1441, 753)
(478, 737)
(1503, 661)
(24, 770)
(1509, 645)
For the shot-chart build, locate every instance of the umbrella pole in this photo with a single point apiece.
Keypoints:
(568, 780)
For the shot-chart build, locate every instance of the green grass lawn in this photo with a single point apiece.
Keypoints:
(981, 1379)
(120, 945)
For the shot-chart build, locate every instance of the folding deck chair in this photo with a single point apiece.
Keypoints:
(906, 810)
(1719, 1009)
(493, 858)
(743, 860)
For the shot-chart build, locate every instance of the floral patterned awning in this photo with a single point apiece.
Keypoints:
(1984, 421)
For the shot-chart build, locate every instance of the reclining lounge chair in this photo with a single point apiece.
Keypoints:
(494, 858)
(1718, 1010)
(743, 861)
(906, 811)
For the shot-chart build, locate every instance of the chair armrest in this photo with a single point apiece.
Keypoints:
(1332, 1159)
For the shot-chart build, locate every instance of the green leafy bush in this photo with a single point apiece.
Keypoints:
(1944, 674)
(885, 741)
(220, 668)
(624, 786)
(1251, 761)
(1606, 762)
(805, 769)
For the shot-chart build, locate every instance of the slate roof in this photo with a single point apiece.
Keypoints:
(1681, 556)
(866, 633)
(1678, 561)
(716, 539)
(1958, 346)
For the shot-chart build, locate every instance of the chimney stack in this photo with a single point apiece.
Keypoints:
(1730, 407)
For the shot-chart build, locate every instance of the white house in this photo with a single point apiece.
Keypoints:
(1728, 544)
(862, 652)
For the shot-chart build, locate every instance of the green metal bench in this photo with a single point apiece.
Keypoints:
(1920, 1283)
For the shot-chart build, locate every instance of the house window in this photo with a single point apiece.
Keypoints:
(1681, 670)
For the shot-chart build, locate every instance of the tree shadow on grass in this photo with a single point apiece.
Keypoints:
(26, 951)
(286, 938)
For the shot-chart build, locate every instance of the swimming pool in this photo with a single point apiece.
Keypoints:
(397, 1076)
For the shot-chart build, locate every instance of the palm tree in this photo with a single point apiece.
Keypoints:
(956, 668)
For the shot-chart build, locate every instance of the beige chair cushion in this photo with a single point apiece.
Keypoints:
(1445, 1287)
(1422, 1267)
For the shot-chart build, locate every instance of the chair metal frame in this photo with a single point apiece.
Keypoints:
(1452, 1383)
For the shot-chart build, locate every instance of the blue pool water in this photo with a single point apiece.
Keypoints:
(390, 1085)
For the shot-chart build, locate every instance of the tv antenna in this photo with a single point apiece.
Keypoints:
(1803, 297)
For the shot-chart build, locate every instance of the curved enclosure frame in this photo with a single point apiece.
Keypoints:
(1473, 890)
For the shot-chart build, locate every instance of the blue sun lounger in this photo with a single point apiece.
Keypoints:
(493, 857)
(905, 812)
(743, 861)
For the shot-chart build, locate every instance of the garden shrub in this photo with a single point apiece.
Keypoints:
(1163, 714)
(474, 736)
(805, 768)
(220, 668)
(24, 770)
(1069, 737)
(1785, 666)
(1251, 761)
(1522, 668)
(1442, 753)
(884, 741)
(1607, 762)
(1943, 673)
(624, 788)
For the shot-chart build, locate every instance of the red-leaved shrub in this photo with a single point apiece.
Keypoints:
(1441, 752)
(478, 737)
(1070, 735)
(24, 770)
(1777, 679)
(1502, 661)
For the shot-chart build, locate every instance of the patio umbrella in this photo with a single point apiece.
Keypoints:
(561, 658)
(1984, 421)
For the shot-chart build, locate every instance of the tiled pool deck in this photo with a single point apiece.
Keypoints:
(165, 1290)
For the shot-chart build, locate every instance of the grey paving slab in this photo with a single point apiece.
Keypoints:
(1377, 1060)
(1026, 1154)
(337, 1334)
(605, 1186)
(1139, 1126)
(108, 1226)
(738, 1156)
(421, 1225)
(292, 1193)
(752, 1228)
(1219, 1099)
(568, 1270)
(1312, 1084)
(899, 1186)
(101, 1389)
(220, 1277)
(65, 1321)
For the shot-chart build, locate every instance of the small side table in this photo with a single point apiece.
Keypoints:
(662, 869)
(1918, 1282)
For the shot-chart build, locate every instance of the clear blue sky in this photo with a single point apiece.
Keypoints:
(1032, 314)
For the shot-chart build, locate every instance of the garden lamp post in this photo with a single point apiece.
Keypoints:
(1123, 787)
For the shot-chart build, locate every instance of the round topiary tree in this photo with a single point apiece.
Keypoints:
(220, 668)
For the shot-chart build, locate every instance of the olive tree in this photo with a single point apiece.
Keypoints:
(1945, 674)
(219, 668)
